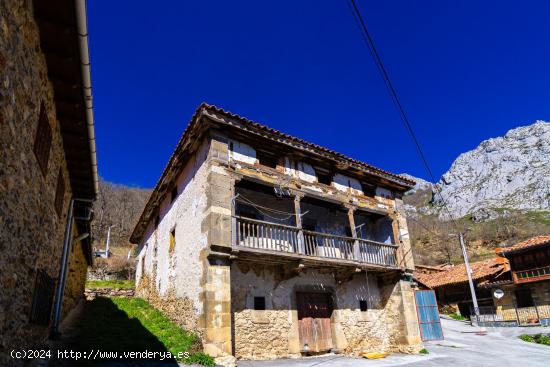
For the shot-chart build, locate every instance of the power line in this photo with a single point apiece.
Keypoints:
(393, 94)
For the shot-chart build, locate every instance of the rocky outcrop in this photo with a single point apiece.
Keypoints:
(503, 173)
(511, 172)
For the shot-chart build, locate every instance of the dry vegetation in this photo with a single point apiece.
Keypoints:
(118, 206)
(435, 241)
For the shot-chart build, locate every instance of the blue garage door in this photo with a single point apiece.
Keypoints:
(428, 316)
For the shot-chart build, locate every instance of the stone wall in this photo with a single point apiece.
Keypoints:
(76, 278)
(273, 333)
(506, 306)
(92, 293)
(31, 232)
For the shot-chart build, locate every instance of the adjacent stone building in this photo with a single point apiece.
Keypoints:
(47, 158)
(269, 246)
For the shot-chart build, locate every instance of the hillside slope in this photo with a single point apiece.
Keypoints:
(498, 194)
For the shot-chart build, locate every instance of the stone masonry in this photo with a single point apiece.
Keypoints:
(31, 232)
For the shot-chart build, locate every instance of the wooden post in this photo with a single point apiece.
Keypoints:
(298, 213)
(234, 238)
(351, 218)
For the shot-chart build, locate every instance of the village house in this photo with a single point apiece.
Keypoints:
(269, 246)
(450, 284)
(47, 159)
(512, 288)
(524, 296)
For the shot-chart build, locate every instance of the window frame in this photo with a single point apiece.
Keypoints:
(43, 140)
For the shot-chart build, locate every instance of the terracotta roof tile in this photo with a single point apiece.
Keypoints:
(457, 274)
(531, 242)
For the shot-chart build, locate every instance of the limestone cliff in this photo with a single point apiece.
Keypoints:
(508, 172)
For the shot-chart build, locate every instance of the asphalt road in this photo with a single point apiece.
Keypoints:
(462, 347)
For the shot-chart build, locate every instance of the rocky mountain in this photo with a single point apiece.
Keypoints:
(503, 173)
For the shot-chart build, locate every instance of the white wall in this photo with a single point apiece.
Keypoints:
(344, 183)
(242, 152)
(180, 270)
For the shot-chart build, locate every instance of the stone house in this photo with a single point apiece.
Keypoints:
(451, 287)
(523, 297)
(269, 246)
(47, 159)
(512, 289)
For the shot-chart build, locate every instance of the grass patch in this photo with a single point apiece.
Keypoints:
(457, 316)
(116, 284)
(543, 339)
(132, 325)
(424, 351)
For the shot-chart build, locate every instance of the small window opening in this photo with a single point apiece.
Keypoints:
(43, 140)
(174, 194)
(172, 244)
(368, 189)
(363, 305)
(41, 306)
(267, 160)
(259, 303)
(323, 177)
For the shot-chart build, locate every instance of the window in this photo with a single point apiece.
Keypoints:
(41, 307)
(259, 303)
(363, 305)
(266, 159)
(174, 194)
(172, 240)
(368, 189)
(323, 177)
(524, 298)
(157, 221)
(43, 140)
(59, 194)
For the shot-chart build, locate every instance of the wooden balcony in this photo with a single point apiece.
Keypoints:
(532, 275)
(252, 234)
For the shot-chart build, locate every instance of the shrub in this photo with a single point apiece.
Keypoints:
(457, 316)
(200, 358)
(543, 339)
(424, 351)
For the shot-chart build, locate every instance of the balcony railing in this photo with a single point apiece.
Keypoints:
(523, 276)
(262, 235)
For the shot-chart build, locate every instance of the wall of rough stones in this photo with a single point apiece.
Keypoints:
(271, 334)
(31, 233)
(76, 279)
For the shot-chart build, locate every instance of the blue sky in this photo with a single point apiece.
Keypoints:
(465, 71)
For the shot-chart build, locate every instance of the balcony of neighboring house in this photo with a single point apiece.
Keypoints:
(273, 222)
(531, 266)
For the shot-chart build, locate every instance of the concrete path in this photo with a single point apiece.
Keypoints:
(500, 347)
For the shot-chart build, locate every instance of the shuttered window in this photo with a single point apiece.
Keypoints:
(43, 140)
(59, 194)
(42, 299)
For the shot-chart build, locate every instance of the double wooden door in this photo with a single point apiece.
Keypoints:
(314, 312)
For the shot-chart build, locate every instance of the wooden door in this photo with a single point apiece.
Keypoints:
(314, 311)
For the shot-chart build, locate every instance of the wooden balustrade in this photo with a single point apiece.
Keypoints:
(263, 235)
(521, 276)
(377, 252)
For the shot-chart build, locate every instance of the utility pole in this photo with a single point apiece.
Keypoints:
(469, 273)
(108, 240)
